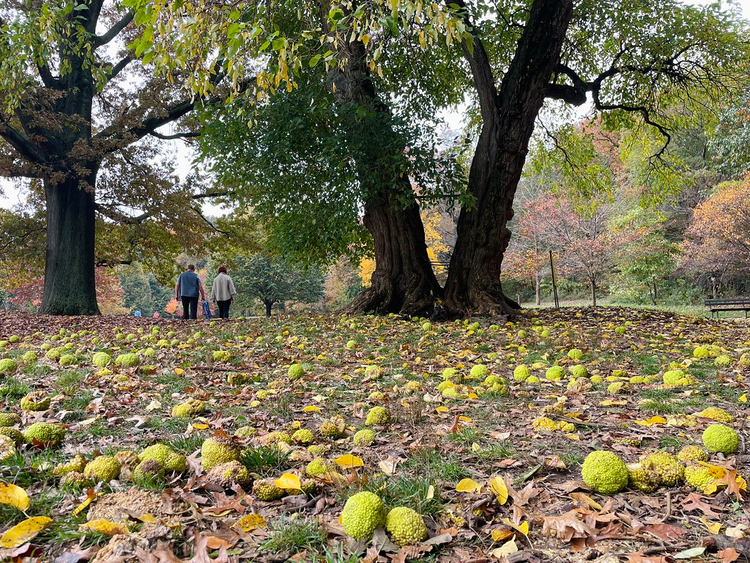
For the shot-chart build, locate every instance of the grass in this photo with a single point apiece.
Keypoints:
(265, 461)
(13, 389)
(292, 535)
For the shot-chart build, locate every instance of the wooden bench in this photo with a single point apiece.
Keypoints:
(733, 304)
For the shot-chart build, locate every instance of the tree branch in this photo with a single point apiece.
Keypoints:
(209, 223)
(185, 135)
(121, 64)
(114, 31)
(21, 143)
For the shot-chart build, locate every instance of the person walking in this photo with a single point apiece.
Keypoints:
(189, 287)
(223, 292)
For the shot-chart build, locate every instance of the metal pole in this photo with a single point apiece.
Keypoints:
(554, 281)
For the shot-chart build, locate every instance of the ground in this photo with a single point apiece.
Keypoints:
(454, 443)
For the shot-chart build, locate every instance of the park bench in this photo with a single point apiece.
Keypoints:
(730, 304)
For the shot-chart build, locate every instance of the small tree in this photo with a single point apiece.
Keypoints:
(275, 281)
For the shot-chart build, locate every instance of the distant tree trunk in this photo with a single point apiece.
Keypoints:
(473, 284)
(537, 289)
(403, 280)
(269, 305)
(593, 291)
(69, 282)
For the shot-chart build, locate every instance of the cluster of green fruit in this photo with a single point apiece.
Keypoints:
(365, 511)
(604, 472)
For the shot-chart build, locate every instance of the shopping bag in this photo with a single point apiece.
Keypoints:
(206, 310)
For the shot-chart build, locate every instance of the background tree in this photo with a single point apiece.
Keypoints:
(274, 281)
(73, 120)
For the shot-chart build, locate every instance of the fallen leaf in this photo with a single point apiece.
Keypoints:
(694, 502)
(288, 481)
(712, 527)
(348, 461)
(690, 553)
(250, 522)
(506, 549)
(652, 421)
(106, 527)
(14, 496)
(728, 555)
(468, 486)
(498, 486)
(585, 499)
(24, 531)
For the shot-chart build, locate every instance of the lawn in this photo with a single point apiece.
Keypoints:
(491, 461)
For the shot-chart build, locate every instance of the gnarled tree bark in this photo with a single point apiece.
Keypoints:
(473, 285)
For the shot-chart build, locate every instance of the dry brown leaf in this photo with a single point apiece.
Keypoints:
(728, 555)
(566, 526)
(665, 532)
(694, 502)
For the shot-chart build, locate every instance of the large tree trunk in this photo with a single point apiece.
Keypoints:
(473, 285)
(593, 292)
(269, 305)
(403, 280)
(69, 282)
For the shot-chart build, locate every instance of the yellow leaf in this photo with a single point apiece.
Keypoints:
(250, 522)
(179, 371)
(476, 448)
(743, 398)
(387, 466)
(23, 532)
(147, 519)
(311, 408)
(288, 481)
(464, 419)
(200, 426)
(90, 496)
(442, 409)
(712, 527)
(502, 534)
(498, 486)
(507, 549)
(523, 527)
(430, 492)
(572, 436)
(106, 527)
(611, 403)
(468, 486)
(651, 421)
(348, 460)
(14, 496)
(585, 499)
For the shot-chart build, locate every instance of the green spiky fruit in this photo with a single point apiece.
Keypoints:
(675, 378)
(479, 371)
(146, 471)
(405, 525)
(35, 401)
(303, 436)
(378, 416)
(642, 479)
(9, 419)
(334, 428)
(102, 469)
(575, 354)
(7, 365)
(664, 465)
(692, 453)
(29, 357)
(68, 360)
(221, 356)
(717, 414)
(604, 472)
(318, 467)
(236, 378)
(228, 474)
(363, 512)
(189, 408)
(266, 490)
(363, 437)
(101, 359)
(296, 371)
(44, 434)
(171, 461)
(521, 373)
(13, 434)
(127, 360)
(216, 451)
(723, 361)
(76, 481)
(719, 438)
(245, 431)
(555, 373)
(578, 371)
(699, 477)
(373, 372)
(701, 352)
